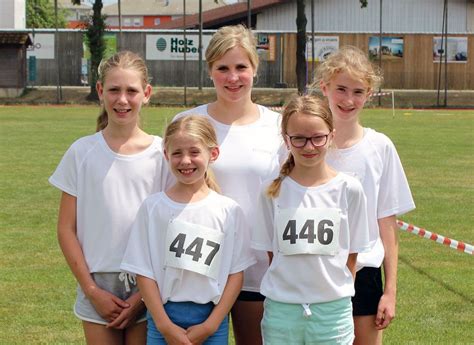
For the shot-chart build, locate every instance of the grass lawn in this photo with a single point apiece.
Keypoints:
(435, 290)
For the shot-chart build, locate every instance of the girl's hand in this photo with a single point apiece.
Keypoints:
(198, 334)
(175, 335)
(128, 315)
(107, 305)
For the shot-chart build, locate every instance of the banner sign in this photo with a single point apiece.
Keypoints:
(323, 46)
(171, 47)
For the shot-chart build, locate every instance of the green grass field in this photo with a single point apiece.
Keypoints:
(435, 289)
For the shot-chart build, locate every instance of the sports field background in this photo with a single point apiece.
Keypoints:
(435, 285)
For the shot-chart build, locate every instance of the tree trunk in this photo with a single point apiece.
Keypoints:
(95, 35)
(301, 47)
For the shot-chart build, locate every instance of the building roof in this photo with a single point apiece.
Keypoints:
(159, 7)
(15, 38)
(221, 15)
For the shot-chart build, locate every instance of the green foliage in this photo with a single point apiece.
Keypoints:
(364, 3)
(40, 14)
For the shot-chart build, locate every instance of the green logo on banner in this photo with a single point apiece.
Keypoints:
(161, 44)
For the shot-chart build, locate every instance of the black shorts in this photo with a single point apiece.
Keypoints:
(250, 296)
(368, 291)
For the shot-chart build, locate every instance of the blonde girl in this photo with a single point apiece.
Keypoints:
(347, 79)
(189, 245)
(251, 151)
(104, 178)
(312, 221)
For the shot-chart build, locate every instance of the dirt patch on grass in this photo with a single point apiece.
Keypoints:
(171, 96)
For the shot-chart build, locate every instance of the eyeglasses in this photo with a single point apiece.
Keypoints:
(299, 141)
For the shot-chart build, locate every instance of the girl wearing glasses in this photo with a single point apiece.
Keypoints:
(312, 221)
(347, 79)
(251, 151)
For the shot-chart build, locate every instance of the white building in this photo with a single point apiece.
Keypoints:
(12, 14)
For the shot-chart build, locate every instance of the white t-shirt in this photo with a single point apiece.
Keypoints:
(375, 163)
(249, 155)
(156, 245)
(311, 278)
(109, 188)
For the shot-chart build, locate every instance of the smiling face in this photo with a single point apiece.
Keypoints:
(346, 95)
(188, 158)
(123, 95)
(304, 125)
(232, 75)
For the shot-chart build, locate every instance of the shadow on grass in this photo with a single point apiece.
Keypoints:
(436, 280)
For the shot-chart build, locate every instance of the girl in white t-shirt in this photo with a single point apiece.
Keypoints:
(312, 221)
(347, 79)
(251, 151)
(189, 245)
(104, 178)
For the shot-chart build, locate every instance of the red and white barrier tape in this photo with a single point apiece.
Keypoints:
(461, 246)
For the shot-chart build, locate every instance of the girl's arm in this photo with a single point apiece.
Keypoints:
(389, 235)
(151, 295)
(128, 315)
(351, 263)
(199, 333)
(107, 305)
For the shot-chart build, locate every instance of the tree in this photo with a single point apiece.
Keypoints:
(40, 14)
(95, 40)
(301, 22)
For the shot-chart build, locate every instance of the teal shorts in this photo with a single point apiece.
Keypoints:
(289, 324)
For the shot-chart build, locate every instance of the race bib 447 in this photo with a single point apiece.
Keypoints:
(194, 248)
(308, 230)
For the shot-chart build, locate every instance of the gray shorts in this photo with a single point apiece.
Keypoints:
(122, 285)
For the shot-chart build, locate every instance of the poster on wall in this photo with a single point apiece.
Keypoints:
(171, 47)
(43, 46)
(456, 52)
(392, 48)
(323, 46)
(266, 47)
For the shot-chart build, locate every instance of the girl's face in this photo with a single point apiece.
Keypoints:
(308, 138)
(233, 75)
(123, 95)
(346, 96)
(188, 158)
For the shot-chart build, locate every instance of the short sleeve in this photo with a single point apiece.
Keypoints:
(242, 256)
(137, 257)
(65, 175)
(394, 196)
(262, 229)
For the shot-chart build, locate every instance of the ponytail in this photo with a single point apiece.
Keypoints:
(211, 181)
(274, 189)
(102, 120)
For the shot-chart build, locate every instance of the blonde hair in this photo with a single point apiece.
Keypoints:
(351, 60)
(124, 59)
(200, 128)
(308, 105)
(228, 37)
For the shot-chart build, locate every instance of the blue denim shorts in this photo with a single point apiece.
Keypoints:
(185, 315)
(328, 323)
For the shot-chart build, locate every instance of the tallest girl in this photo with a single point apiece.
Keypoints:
(250, 152)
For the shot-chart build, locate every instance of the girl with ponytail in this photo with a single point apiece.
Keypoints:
(104, 179)
(189, 245)
(312, 221)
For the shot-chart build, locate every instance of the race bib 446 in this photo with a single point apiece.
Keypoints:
(308, 230)
(193, 247)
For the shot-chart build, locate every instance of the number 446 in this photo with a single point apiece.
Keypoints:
(324, 233)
